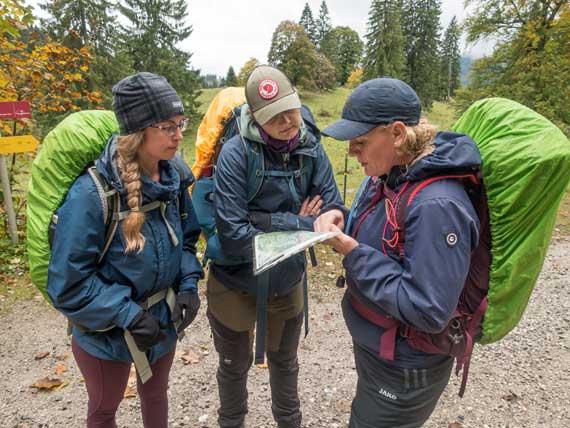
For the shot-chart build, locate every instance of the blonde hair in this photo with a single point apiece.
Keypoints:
(127, 160)
(418, 142)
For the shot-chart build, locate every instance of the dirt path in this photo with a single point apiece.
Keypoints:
(521, 382)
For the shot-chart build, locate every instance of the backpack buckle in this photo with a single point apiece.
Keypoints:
(455, 331)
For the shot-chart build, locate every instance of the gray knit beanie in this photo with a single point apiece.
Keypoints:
(143, 99)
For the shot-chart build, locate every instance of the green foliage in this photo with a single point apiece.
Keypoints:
(246, 71)
(343, 47)
(384, 52)
(531, 61)
(324, 75)
(293, 53)
(12, 12)
(231, 79)
(421, 27)
(322, 24)
(308, 22)
(151, 36)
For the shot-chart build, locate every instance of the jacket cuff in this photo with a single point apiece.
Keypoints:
(127, 314)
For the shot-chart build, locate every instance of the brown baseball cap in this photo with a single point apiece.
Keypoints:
(269, 92)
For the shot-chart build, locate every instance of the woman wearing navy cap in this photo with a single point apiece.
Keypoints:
(398, 289)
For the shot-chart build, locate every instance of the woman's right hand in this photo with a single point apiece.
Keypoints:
(311, 206)
(326, 221)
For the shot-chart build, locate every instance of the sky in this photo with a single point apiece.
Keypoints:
(229, 32)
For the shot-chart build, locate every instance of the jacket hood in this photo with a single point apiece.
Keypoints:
(453, 154)
(307, 144)
(167, 189)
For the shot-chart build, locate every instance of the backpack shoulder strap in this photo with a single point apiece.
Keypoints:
(402, 201)
(255, 167)
(111, 204)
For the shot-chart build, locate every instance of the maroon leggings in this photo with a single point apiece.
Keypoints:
(106, 382)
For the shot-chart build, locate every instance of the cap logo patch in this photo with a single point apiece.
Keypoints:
(268, 89)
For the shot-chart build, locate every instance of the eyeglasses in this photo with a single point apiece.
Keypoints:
(170, 129)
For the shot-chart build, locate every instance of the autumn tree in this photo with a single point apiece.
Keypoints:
(52, 77)
(355, 78)
(90, 24)
(324, 77)
(531, 60)
(293, 53)
(343, 47)
(385, 42)
(246, 70)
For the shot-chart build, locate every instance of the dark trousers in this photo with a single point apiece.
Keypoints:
(106, 382)
(388, 396)
(233, 339)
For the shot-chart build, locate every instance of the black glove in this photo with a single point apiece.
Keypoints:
(185, 309)
(260, 220)
(146, 330)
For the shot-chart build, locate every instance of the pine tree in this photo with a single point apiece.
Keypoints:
(231, 79)
(155, 29)
(308, 22)
(450, 60)
(385, 42)
(421, 26)
(323, 24)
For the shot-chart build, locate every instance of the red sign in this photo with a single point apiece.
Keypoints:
(15, 110)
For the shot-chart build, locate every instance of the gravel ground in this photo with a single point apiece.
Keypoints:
(523, 381)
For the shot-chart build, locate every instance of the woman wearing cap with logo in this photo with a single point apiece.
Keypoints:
(395, 287)
(121, 306)
(297, 181)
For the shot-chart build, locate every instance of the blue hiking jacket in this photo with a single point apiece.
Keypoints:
(422, 289)
(96, 296)
(275, 198)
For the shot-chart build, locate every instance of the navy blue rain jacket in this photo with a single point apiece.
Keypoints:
(423, 289)
(232, 210)
(97, 296)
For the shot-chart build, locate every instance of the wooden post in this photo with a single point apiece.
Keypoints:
(8, 199)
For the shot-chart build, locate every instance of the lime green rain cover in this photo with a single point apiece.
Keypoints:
(526, 170)
(64, 154)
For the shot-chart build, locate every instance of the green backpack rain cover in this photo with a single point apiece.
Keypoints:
(526, 170)
(65, 152)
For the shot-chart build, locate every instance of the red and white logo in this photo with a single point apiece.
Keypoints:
(268, 89)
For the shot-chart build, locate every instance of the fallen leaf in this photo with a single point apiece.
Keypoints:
(130, 392)
(191, 357)
(455, 425)
(510, 397)
(41, 355)
(262, 366)
(60, 369)
(48, 384)
(63, 357)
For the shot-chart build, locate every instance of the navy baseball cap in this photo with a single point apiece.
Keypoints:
(376, 102)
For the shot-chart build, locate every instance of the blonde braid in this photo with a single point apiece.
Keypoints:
(127, 148)
(418, 142)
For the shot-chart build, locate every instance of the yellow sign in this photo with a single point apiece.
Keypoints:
(18, 144)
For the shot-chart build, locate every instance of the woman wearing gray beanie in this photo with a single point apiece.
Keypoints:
(130, 297)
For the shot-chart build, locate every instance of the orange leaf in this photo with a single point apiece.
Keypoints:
(60, 369)
(455, 425)
(130, 392)
(41, 355)
(48, 384)
(191, 356)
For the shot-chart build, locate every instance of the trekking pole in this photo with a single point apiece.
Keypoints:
(345, 175)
